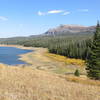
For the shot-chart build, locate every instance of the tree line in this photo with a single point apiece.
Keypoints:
(79, 46)
(73, 46)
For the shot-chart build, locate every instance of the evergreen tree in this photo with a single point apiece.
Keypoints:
(93, 63)
(77, 73)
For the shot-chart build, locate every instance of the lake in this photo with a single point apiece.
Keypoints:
(10, 55)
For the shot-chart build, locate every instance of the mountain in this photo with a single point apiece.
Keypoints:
(70, 29)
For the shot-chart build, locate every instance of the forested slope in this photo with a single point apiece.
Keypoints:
(70, 45)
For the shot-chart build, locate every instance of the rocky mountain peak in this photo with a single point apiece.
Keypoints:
(68, 29)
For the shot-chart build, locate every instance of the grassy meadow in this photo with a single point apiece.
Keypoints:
(26, 83)
(46, 77)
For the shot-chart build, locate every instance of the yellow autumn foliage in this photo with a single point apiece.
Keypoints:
(66, 60)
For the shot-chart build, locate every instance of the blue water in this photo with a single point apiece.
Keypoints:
(10, 55)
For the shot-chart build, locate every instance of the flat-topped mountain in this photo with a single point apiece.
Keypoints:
(70, 29)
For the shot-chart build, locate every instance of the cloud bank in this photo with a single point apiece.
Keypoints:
(62, 12)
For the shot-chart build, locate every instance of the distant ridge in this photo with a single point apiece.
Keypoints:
(70, 29)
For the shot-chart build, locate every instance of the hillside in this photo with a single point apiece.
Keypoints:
(63, 32)
(70, 29)
(73, 44)
(24, 83)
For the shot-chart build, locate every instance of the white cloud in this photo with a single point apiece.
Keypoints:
(3, 18)
(41, 13)
(83, 10)
(55, 11)
(62, 12)
(66, 13)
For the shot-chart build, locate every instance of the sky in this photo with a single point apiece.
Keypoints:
(33, 17)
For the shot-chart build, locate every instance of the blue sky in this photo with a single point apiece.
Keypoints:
(30, 17)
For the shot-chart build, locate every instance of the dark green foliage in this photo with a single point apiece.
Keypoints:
(70, 45)
(93, 63)
(74, 47)
(77, 73)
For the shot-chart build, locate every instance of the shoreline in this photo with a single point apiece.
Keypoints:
(37, 60)
(17, 46)
(40, 59)
(20, 56)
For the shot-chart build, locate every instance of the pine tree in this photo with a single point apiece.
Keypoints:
(77, 73)
(93, 63)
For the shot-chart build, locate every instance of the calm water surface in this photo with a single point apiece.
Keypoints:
(10, 55)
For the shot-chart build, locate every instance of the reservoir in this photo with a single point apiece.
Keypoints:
(10, 55)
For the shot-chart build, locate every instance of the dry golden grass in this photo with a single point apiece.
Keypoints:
(82, 80)
(69, 64)
(24, 83)
(29, 83)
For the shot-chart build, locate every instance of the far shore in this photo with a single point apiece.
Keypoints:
(17, 46)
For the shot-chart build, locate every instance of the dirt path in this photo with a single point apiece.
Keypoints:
(38, 59)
